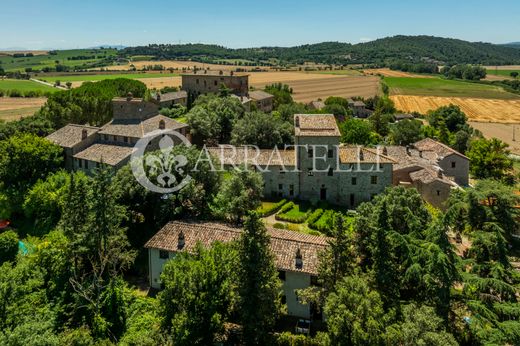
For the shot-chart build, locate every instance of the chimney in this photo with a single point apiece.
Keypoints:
(158, 97)
(385, 151)
(299, 260)
(129, 96)
(408, 150)
(296, 121)
(420, 153)
(181, 241)
(162, 125)
(220, 72)
(84, 134)
(439, 173)
(205, 71)
(361, 155)
(231, 73)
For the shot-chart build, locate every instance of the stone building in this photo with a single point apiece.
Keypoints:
(296, 255)
(263, 100)
(203, 82)
(433, 168)
(86, 147)
(167, 100)
(317, 167)
(359, 109)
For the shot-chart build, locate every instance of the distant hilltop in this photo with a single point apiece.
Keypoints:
(409, 48)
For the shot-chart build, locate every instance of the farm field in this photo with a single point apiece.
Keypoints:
(346, 72)
(504, 73)
(390, 73)
(175, 64)
(63, 57)
(311, 86)
(13, 108)
(504, 132)
(98, 77)
(477, 109)
(24, 85)
(445, 88)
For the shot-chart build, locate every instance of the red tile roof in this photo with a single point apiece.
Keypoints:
(284, 244)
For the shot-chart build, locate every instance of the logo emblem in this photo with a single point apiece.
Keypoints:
(160, 171)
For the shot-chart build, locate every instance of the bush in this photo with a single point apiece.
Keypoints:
(324, 223)
(15, 93)
(299, 218)
(8, 246)
(272, 210)
(279, 225)
(315, 216)
(287, 207)
(288, 339)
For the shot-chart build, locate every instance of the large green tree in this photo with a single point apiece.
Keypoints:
(489, 158)
(262, 130)
(199, 294)
(259, 286)
(240, 193)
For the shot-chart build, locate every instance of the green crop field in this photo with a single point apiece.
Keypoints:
(98, 77)
(502, 72)
(445, 88)
(24, 85)
(71, 58)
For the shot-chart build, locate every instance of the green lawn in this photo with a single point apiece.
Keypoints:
(63, 57)
(98, 77)
(445, 87)
(506, 73)
(24, 85)
(299, 210)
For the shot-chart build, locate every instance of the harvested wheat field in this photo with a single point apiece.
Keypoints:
(13, 108)
(390, 73)
(483, 110)
(504, 132)
(504, 67)
(309, 87)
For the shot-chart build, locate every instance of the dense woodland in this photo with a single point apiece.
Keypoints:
(426, 49)
(397, 272)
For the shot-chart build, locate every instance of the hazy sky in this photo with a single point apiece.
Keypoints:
(44, 24)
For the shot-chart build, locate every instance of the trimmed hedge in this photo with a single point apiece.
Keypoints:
(283, 216)
(287, 207)
(323, 223)
(315, 216)
(273, 209)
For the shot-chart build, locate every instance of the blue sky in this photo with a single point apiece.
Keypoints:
(41, 24)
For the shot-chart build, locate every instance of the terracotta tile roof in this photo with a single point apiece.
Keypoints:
(441, 149)
(284, 244)
(265, 158)
(316, 125)
(106, 153)
(70, 135)
(413, 159)
(137, 128)
(350, 154)
(259, 95)
(175, 95)
(429, 175)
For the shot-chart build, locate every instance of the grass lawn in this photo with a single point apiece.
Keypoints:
(299, 210)
(98, 77)
(445, 88)
(24, 85)
(501, 72)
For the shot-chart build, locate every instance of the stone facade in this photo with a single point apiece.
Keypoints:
(86, 147)
(263, 101)
(296, 255)
(203, 82)
(317, 168)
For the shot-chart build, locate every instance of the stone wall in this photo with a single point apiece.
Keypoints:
(457, 167)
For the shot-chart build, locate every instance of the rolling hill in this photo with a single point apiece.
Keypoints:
(409, 48)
